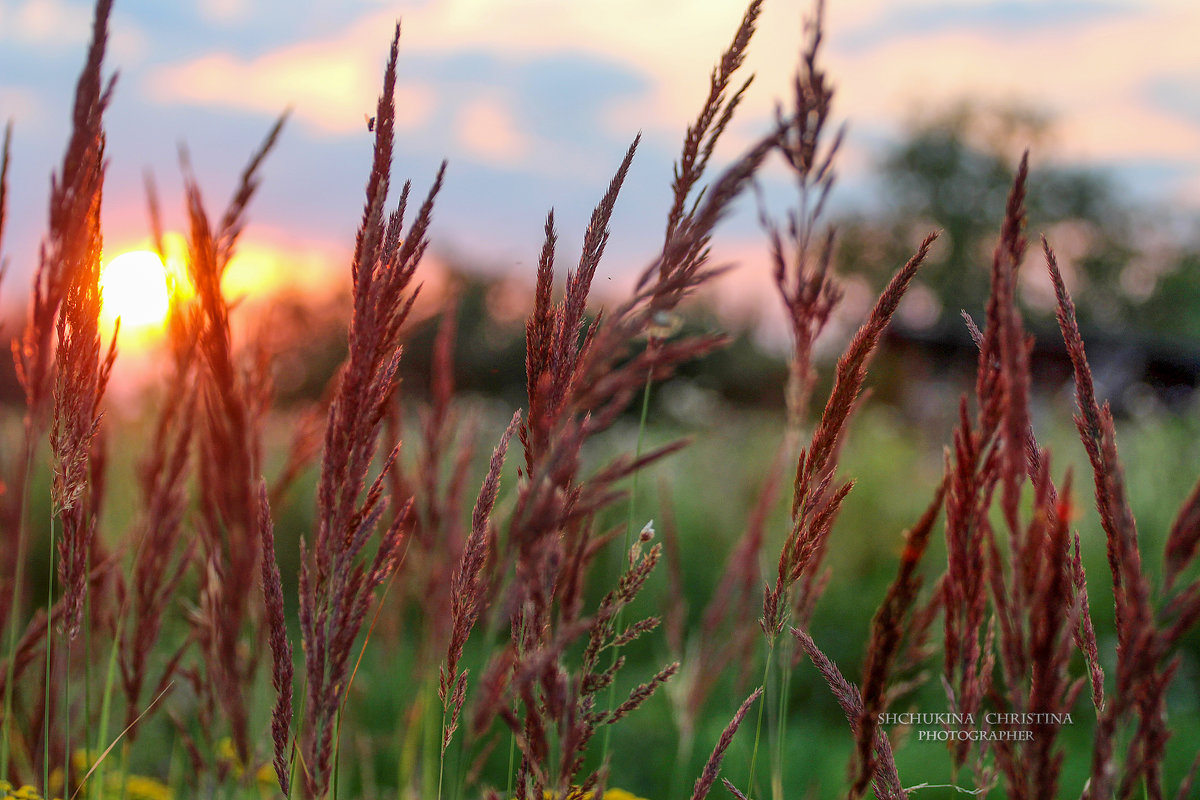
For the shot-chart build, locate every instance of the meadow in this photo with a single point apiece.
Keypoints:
(408, 590)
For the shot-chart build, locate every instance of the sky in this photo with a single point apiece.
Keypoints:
(533, 103)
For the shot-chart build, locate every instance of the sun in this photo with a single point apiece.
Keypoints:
(134, 288)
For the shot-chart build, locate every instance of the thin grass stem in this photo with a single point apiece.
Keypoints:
(785, 682)
(758, 725)
(121, 737)
(294, 761)
(429, 742)
(174, 772)
(512, 753)
(49, 655)
(66, 701)
(106, 704)
(337, 749)
(442, 757)
(14, 606)
(87, 672)
(683, 758)
(633, 487)
(124, 769)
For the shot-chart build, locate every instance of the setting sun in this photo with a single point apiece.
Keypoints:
(134, 286)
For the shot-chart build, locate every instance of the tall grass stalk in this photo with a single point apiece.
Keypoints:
(18, 587)
(13, 616)
(87, 670)
(295, 757)
(66, 701)
(785, 656)
(49, 657)
(430, 743)
(175, 774)
(629, 522)
(442, 754)
(110, 678)
(337, 751)
(770, 659)
(512, 754)
(683, 758)
(121, 738)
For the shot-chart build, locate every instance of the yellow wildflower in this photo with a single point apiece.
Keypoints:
(266, 777)
(227, 754)
(620, 794)
(81, 760)
(139, 787)
(609, 794)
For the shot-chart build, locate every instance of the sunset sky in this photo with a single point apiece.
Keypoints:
(534, 101)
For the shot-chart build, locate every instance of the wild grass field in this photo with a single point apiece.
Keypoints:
(389, 592)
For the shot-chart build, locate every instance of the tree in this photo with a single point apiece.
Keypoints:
(953, 170)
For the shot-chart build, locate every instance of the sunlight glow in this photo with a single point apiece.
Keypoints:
(145, 293)
(134, 287)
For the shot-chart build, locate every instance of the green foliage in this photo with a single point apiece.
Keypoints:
(1174, 306)
(953, 170)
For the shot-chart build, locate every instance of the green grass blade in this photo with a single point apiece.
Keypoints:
(106, 708)
(633, 487)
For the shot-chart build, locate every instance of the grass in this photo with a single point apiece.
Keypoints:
(439, 597)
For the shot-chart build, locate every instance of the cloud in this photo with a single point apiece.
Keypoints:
(224, 11)
(21, 105)
(674, 43)
(486, 129)
(48, 23)
(629, 34)
(60, 28)
(1105, 98)
(1063, 60)
(1010, 17)
(1098, 92)
(330, 87)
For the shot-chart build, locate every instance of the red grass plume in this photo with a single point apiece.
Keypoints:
(712, 767)
(162, 555)
(887, 632)
(336, 584)
(4, 155)
(885, 780)
(469, 587)
(281, 646)
(816, 499)
(1145, 661)
(68, 276)
(233, 400)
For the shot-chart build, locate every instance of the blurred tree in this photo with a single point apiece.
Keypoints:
(489, 347)
(953, 171)
(1172, 287)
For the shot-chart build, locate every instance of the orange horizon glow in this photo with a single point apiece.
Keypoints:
(139, 288)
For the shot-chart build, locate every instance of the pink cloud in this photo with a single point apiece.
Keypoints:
(20, 104)
(487, 130)
(329, 85)
(61, 27)
(1090, 76)
(47, 23)
(224, 11)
